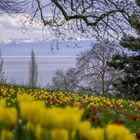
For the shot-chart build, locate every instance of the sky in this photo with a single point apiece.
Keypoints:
(12, 28)
(31, 36)
(17, 27)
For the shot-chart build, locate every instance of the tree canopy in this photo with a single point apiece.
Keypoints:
(102, 17)
(92, 17)
(129, 85)
(91, 73)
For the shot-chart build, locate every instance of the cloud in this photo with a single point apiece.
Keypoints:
(14, 28)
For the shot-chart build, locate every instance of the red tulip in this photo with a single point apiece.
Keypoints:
(135, 118)
(87, 116)
(119, 122)
(138, 135)
(93, 119)
(95, 113)
(98, 122)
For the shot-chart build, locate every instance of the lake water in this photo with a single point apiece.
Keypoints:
(16, 68)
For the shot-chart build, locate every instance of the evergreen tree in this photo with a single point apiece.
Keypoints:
(129, 84)
(2, 75)
(33, 72)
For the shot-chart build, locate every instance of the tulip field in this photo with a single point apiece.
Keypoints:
(37, 114)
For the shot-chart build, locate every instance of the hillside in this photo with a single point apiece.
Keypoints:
(64, 111)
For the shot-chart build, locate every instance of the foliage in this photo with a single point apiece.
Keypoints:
(129, 85)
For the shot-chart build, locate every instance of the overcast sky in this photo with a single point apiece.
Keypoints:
(14, 28)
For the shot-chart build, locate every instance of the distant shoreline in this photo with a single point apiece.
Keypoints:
(62, 56)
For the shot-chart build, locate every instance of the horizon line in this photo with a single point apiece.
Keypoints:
(41, 56)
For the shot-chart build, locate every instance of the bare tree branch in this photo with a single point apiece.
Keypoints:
(93, 69)
(103, 17)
